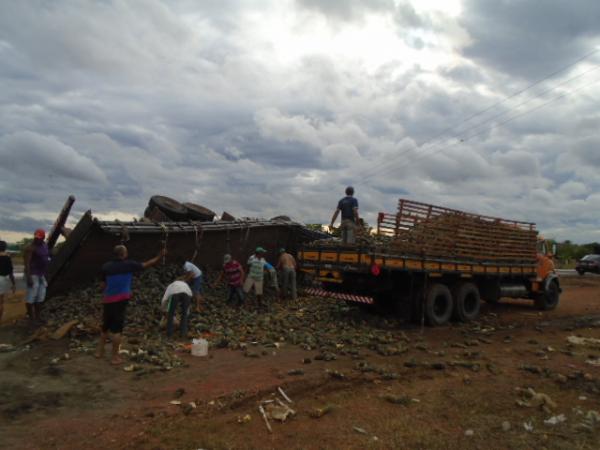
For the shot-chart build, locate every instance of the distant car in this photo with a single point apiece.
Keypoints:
(589, 263)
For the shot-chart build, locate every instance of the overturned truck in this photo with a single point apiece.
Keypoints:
(436, 263)
(78, 260)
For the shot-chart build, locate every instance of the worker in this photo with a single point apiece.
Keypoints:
(349, 209)
(116, 286)
(37, 257)
(272, 277)
(233, 272)
(256, 273)
(6, 276)
(193, 275)
(178, 293)
(287, 265)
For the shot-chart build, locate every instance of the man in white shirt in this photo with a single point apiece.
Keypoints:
(177, 293)
(193, 275)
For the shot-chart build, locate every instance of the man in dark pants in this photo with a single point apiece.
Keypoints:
(116, 284)
(349, 208)
(178, 293)
(234, 273)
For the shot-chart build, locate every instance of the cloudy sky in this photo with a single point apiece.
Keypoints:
(272, 107)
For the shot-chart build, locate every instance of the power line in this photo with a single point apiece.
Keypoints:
(488, 120)
(516, 116)
(458, 136)
(374, 169)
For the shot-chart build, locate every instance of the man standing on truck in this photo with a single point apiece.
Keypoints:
(349, 208)
(116, 285)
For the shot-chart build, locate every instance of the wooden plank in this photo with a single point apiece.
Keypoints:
(60, 222)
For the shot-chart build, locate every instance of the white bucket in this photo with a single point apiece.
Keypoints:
(199, 347)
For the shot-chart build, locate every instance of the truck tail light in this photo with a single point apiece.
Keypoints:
(375, 270)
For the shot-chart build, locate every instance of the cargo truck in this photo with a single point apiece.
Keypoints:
(435, 264)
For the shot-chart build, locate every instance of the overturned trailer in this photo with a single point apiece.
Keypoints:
(90, 244)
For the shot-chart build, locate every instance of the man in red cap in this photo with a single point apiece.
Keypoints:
(37, 257)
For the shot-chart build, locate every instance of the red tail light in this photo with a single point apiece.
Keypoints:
(375, 270)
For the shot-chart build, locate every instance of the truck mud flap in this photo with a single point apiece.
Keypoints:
(339, 296)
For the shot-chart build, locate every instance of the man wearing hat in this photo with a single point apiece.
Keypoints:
(349, 209)
(37, 257)
(256, 273)
(287, 265)
(233, 272)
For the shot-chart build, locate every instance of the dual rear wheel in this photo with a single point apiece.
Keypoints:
(461, 303)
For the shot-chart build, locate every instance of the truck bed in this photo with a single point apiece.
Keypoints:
(326, 262)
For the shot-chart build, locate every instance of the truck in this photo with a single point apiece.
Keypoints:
(435, 264)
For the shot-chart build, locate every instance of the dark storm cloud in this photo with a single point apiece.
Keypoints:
(529, 38)
(32, 155)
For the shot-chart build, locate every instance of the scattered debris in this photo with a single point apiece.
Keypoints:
(179, 392)
(589, 422)
(336, 374)
(397, 399)
(244, 419)
(264, 416)
(317, 413)
(555, 420)
(506, 426)
(532, 369)
(278, 412)
(588, 342)
(560, 378)
(360, 430)
(63, 330)
(469, 433)
(535, 399)
(5, 348)
(284, 395)
(593, 362)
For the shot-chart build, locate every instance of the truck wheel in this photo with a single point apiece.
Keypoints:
(581, 272)
(198, 212)
(549, 299)
(438, 305)
(466, 302)
(172, 208)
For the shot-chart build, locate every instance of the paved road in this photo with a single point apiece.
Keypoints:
(19, 278)
(573, 273)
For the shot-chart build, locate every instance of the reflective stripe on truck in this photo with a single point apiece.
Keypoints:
(340, 296)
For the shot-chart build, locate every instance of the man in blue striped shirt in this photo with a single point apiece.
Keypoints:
(117, 276)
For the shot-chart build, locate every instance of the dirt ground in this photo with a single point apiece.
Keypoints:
(461, 386)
